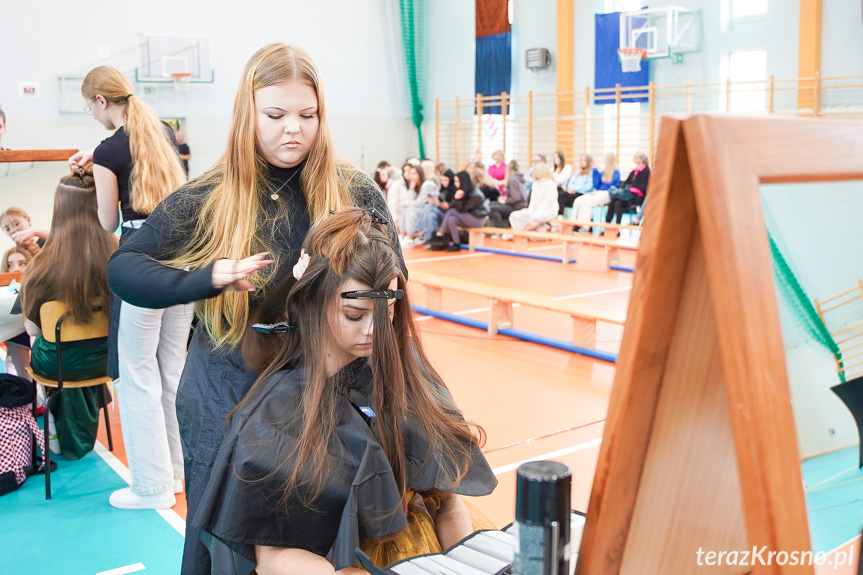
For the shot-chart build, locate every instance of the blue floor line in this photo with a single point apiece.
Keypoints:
(518, 334)
(621, 268)
(518, 254)
(87, 535)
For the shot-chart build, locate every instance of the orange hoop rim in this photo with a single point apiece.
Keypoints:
(632, 52)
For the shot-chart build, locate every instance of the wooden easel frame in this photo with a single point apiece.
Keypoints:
(700, 447)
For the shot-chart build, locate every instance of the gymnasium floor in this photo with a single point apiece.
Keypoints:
(534, 402)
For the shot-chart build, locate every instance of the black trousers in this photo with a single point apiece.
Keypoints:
(617, 207)
(565, 199)
(499, 215)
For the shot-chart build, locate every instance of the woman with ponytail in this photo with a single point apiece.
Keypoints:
(349, 438)
(224, 239)
(137, 167)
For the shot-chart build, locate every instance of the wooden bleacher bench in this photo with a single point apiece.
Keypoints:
(567, 226)
(570, 242)
(501, 299)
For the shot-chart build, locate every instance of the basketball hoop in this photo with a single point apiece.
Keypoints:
(630, 58)
(181, 80)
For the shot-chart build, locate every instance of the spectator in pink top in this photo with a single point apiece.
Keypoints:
(498, 170)
(634, 189)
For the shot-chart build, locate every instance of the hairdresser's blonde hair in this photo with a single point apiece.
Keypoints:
(229, 222)
(156, 167)
(14, 211)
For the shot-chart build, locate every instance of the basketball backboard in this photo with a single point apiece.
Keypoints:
(661, 31)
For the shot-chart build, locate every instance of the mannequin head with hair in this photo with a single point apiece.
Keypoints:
(72, 267)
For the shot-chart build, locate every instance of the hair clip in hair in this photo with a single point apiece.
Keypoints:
(374, 294)
(80, 171)
(377, 217)
(332, 212)
(281, 327)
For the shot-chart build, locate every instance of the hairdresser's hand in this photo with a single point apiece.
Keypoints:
(301, 265)
(81, 160)
(233, 274)
(24, 237)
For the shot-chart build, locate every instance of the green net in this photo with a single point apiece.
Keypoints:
(412, 14)
(796, 307)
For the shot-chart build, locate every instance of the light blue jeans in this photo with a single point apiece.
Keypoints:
(151, 347)
(430, 218)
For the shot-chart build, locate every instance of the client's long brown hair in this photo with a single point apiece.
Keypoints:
(72, 267)
(351, 245)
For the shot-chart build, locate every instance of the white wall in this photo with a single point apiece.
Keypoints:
(357, 46)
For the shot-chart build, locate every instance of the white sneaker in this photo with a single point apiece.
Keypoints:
(178, 485)
(126, 499)
(419, 240)
(506, 237)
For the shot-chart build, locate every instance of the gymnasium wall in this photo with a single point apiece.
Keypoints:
(357, 46)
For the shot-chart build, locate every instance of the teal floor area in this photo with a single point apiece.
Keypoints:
(834, 498)
(77, 531)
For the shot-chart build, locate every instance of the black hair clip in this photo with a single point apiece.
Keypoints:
(332, 212)
(372, 294)
(377, 217)
(281, 327)
(80, 172)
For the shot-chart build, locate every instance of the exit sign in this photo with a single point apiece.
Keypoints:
(28, 90)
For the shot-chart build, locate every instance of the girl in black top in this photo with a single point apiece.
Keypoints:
(223, 239)
(137, 167)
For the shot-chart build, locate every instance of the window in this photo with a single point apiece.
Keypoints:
(744, 8)
(622, 5)
(747, 72)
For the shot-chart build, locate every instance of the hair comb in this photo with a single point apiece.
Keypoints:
(280, 327)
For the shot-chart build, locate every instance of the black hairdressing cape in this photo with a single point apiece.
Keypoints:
(242, 504)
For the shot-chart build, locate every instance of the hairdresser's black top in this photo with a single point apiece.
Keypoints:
(242, 505)
(114, 153)
(136, 276)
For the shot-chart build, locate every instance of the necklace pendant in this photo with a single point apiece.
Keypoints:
(274, 196)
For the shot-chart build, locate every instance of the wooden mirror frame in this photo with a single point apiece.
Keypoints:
(700, 447)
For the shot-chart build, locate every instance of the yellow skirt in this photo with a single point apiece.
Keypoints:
(419, 537)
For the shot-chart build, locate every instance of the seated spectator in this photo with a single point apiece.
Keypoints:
(483, 182)
(497, 171)
(383, 175)
(579, 184)
(18, 348)
(433, 213)
(468, 210)
(17, 225)
(514, 199)
(413, 198)
(543, 201)
(633, 192)
(529, 175)
(582, 207)
(561, 170)
(428, 192)
(60, 274)
(397, 189)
